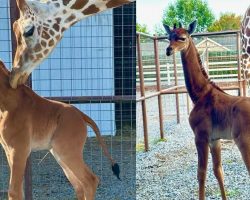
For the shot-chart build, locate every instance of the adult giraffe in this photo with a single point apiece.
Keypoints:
(216, 115)
(41, 26)
(245, 37)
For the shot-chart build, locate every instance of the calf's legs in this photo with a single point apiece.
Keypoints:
(17, 162)
(80, 176)
(215, 149)
(202, 150)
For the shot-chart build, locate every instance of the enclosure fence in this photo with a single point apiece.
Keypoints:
(94, 69)
(160, 76)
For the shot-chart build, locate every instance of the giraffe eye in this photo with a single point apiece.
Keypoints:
(182, 39)
(29, 32)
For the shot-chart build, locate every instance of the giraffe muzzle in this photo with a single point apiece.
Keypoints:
(169, 51)
(17, 77)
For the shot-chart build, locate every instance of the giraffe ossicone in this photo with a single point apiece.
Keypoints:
(41, 26)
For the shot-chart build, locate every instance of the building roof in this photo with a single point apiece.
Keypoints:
(211, 45)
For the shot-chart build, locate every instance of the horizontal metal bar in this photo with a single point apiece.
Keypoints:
(148, 97)
(94, 99)
(178, 90)
(158, 93)
(193, 35)
(146, 35)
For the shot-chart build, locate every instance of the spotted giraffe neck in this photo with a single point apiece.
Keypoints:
(245, 37)
(68, 12)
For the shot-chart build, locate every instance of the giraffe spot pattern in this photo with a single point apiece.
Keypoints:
(115, 3)
(248, 50)
(51, 32)
(43, 43)
(246, 22)
(38, 56)
(56, 27)
(51, 42)
(79, 4)
(247, 33)
(37, 48)
(46, 52)
(45, 35)
(58, 37)
(90, 10)
(58, 20)
(244, 56)
(70, 18)
(66, 2)
(57, 5)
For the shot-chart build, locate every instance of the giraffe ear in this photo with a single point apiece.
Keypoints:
(167, 28)
(192, 27)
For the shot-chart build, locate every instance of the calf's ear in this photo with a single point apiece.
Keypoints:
(192, 27)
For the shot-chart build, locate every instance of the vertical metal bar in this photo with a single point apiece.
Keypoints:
(207, 56)
(158, 82)
(14, 15)
(241, 82)
(142, 88)
(176, 95)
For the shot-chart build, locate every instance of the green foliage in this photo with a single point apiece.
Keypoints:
(142, 28)
(185, 11)
(140, 147)
(227, 21)
(159, 30)
(160, 140)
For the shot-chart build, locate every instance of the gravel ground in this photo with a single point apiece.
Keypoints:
(50, 183)
(168, 170)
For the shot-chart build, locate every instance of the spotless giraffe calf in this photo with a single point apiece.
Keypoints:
(29, 122)
(216, 115)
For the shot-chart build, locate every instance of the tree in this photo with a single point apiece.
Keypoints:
(142, 28)
(185, 11)
(159, 30)
(227, 21)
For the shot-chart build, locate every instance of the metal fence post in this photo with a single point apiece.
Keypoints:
(242, 82)
(142, 88)
(158, 82)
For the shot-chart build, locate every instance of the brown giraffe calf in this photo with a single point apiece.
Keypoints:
(216, 115)
(29, 122)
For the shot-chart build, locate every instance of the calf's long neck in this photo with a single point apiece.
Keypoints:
(196, 78)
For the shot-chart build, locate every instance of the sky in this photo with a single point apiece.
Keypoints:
(150, 12)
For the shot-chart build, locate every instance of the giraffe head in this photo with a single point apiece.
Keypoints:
(36, 36)
(179, 38)
(41, 26)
